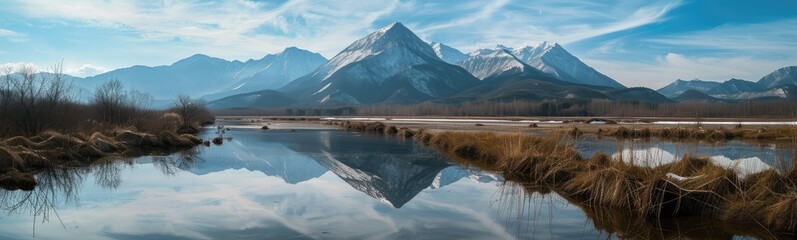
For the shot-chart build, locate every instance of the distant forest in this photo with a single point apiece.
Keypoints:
(607, 108)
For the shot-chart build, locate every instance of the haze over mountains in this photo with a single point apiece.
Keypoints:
(394, 66)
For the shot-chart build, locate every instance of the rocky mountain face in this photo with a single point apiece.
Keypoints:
(553, 59)
(782, 76)
(496, 63)
(448, 54)
(390, 64)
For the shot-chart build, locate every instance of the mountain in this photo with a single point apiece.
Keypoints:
(782, 76)
(197, 75)
(734, 86)
(201, 75)
(273, 71)
(788, 91)
(496, 63)
(641, 94)
(270, 155)
(678, 87)
(553, 59)
(520, 87)
(379, 67)
(390, 170)
(448, 54)
(693, 95)
(258, 99)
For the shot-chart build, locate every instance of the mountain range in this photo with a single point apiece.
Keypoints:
(209, 77)
(394, 66)
(780, 84)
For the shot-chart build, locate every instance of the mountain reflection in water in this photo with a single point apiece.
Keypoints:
(307, 184)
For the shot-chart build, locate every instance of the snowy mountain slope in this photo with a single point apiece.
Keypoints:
(494, 63)
(782, 76)
(272, 72)
(448, 54)
(679, 86)
(553, 59)
(373, 68)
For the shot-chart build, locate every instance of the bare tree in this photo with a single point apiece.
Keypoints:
(32, 101)
(193, 111)
(113, 104)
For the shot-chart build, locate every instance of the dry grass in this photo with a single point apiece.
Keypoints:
(700, 188)
(20, 156)
(716, 134)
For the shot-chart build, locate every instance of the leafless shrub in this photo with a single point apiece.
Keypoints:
(113, 104)
(33, 101)
(193, 111)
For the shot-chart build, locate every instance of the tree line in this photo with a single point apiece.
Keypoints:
(782, 108)
(32, 102)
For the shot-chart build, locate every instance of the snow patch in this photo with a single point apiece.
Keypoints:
(323, 88)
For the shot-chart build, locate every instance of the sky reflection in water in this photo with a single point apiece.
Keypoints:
(294, 185)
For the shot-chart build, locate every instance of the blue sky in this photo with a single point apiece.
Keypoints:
(639, 43)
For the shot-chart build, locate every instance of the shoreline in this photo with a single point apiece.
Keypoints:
(760, 131)
(21, 157)
(691, 186)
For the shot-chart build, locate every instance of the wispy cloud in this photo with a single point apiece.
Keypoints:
(12, 35)
(227, 28)
(482, 11)
(760, 38)
(517, 23)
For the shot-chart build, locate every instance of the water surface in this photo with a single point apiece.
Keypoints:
(309, 184)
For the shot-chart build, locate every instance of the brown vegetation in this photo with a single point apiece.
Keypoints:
(42, 125)
(20, 156)
(779, 133)
(692, 186)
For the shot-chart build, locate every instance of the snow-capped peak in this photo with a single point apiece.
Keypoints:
(392, 54)
(547, 45)
(502, 47)
(484, 63)
(553, 59)
(395, 38)
(448, 54)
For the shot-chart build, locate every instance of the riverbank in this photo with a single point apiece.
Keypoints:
(692, 186)
(21, 157)
(669, 129)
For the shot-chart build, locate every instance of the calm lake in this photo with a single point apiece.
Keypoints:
(333, 184)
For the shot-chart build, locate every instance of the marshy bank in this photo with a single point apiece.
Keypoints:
(21, 157)
(700, 133)
(43, 125)
(691, 186)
